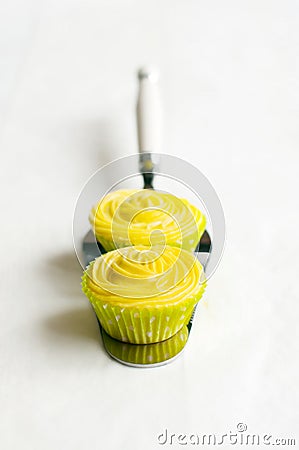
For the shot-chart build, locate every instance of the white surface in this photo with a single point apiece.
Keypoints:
(230, 98)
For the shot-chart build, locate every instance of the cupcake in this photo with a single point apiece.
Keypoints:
(144, 295)
(131, 217)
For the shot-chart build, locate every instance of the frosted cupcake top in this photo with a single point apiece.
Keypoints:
(157, 276)
(144, 216)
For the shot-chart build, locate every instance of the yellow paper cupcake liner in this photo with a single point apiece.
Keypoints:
(109, 246)
(188, 243)
(143, 325)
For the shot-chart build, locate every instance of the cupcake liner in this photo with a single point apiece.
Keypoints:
(109, 245)
(144, 324)
(147, 354)
(188, 243)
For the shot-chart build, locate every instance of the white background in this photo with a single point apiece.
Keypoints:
(229, 85)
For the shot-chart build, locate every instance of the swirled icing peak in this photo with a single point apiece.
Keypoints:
(141, 275)
(144, 216)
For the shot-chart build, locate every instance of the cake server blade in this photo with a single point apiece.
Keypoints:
(149, 140)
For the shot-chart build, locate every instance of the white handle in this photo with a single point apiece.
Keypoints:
(148, 112)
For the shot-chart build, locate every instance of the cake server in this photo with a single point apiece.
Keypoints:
(149, 142)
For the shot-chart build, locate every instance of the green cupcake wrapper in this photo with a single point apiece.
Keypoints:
(141, 325)
(150, 353)
(109, 246)
(189, 243)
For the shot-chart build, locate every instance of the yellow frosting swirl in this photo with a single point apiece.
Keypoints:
(143, 276)
(144, 216)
